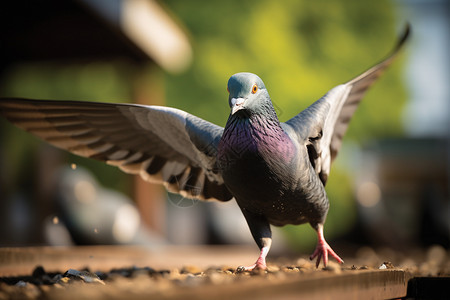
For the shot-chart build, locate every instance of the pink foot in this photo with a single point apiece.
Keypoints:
(260, 263)
(323, 249)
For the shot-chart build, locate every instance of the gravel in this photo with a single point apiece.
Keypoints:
(135, 281)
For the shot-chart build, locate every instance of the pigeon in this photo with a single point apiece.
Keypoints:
(276, 171)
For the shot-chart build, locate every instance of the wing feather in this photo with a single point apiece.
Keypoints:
(321, 126)
(161, 144)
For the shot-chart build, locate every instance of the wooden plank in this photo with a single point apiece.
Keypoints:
(308, 283)
(21, 261)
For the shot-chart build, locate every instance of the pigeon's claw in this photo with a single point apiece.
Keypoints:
(260, 262)
(256, 266)
(323, 250)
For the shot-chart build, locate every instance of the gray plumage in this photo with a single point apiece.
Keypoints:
(275, 171)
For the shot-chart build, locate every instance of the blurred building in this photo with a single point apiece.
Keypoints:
(84, 30)
(402, 193)
(403, 185)
(138, 33)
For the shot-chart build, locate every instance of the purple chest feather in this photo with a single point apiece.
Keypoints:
(245, 141)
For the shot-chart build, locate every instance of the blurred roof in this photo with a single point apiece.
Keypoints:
(139, 30)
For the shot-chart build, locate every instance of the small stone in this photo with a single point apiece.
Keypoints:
(57, 278)
(386, 265)
(124, 272)
(38, 272)
(273, 269)
(333, 267)
(291, 269)
(40, 277)
(164, 273)
(91, 278)
(213, 270)
(86, 276)
(21, 283)
(231, 269)
(150, 271)
(240, 269)
(190, 269)
(101, 275)
(64, 280)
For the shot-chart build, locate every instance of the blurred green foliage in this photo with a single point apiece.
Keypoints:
(101, 81)
(300, 49)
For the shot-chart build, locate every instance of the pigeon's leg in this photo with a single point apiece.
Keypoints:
(260, 229)
(261, 261)
(323, 249)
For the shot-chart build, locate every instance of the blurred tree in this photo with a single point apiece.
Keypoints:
(300, 49)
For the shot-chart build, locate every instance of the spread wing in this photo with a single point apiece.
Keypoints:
(323, 124)
(161, 144)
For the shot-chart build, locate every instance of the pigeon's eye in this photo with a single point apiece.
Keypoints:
(228, 90)
(254, 89)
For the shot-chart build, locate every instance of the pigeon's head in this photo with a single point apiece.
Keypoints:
(247, 94)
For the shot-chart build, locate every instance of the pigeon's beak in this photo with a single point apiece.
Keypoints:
(236, 104)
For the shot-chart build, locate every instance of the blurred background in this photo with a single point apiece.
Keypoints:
(389, 186)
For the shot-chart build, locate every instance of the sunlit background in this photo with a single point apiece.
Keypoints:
(389, 186)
